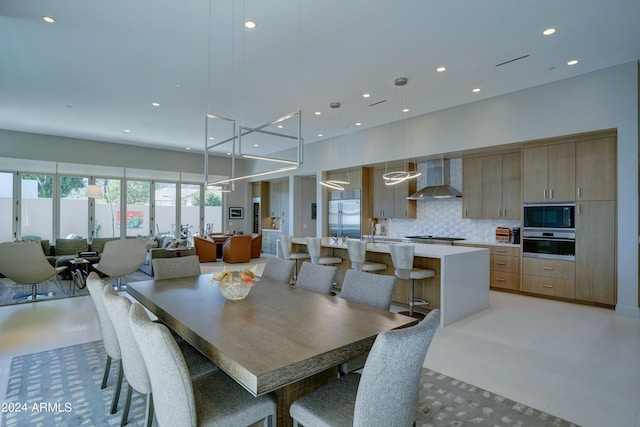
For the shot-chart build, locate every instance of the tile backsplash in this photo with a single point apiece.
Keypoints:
(443, 217)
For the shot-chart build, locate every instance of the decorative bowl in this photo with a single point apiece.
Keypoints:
(234, 290)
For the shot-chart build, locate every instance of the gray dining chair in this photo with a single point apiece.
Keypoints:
(402, 258)
(315, 253)
(317, 278)
(279, 269)
(210, 399)
(171, 268)
(97, 288)
(386, 394)
(357, 250)
(135, 370)
(374, 290)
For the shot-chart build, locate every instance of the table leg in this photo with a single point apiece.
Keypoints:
(285, 396)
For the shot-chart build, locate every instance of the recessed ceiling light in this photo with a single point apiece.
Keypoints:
(317, 113)
(256, 145)
(228, 154)
(475, 90)
(358, 124)
(366, 95)
(250, 25)
(320, 134)
(405, 110)
(48, 19)
(441, 69)
(155, 104)
(572, 62)
(178, 84)
(211, 138)
(280, 126)
(188, 148)
(127, 131)
(549, 31)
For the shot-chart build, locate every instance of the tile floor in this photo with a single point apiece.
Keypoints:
(580, 363)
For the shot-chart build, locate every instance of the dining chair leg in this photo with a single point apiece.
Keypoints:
(34, 292)
(127, 406)
(105, 377)
(411, 297)
(116, 390)
(148, 422)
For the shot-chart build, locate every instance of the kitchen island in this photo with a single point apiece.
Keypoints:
(459, 288)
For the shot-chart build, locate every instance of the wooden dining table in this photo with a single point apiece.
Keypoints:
(280, 338)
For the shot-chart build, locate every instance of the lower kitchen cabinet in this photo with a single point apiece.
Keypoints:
(505, 267)
(548, 277)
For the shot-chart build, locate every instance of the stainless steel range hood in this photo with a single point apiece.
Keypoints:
(438, 186)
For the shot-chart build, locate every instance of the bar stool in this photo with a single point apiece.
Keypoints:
(285, 246)
(357, 250)
(402, 257)
(313, 246)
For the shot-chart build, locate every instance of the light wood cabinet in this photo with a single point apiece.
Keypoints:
(591, 156)
(548, 277)
(596, 252)
(504, 269)
(549, 173)
(491, 187)
(390, 201)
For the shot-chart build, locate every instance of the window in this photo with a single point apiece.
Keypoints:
(74, 207)
(213, 211)
(107, 208)
(165, 207)
(189, 210)
(37, 206)
(6, 206)
(138, 213)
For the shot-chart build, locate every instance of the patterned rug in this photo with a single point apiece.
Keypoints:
(61, 387)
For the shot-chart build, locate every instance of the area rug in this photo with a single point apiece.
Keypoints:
(61, 387)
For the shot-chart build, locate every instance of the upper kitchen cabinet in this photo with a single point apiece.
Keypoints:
(549, 173)
(390, 201)
(278, 199)
(595, 169)
(491, 186)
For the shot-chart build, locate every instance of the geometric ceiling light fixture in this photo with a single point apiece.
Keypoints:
(334, 184)
(396, 177)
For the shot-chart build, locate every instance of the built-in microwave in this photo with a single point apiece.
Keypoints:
(549, 216)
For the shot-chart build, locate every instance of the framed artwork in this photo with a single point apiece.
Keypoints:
(236, 213)
(314, 210)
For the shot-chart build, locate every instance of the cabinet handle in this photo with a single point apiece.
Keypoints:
(500, 263)
(547, 286)
(551, 194)
(547, 268)
(579, 192)
(499, 211)
(579, 209)
(504, 213)
(500, 250)
(466, 212)
(544, 194)
(499, 279)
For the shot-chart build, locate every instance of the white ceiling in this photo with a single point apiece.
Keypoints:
(99, 67)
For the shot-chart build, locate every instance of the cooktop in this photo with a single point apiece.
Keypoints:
(429, 237)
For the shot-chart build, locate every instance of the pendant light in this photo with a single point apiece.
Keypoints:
(396, 177)
(335, 184)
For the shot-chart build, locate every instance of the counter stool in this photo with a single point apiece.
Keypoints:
(357, 251)
(285, 246)
(313, 246)
(402, 257)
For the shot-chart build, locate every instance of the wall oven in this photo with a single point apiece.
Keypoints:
(549, 231)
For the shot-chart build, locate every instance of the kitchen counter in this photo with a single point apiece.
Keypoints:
(462, 273)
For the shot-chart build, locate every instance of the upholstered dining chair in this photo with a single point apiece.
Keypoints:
(25, 263)
(279, 269)
(386, 394)
(210, 399)
(170, 268)
(286, 245)
(135, 370)
(122, 257)
(402, 257)
(375, 290)
(357, 250)
(316, 278)
(96, 288)
(314, 248)
(207, 250)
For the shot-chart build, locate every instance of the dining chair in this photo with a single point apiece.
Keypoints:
(387, 391)
(210, 399)
(122, 257)
(357, 250)
(135, 370)
(26, 263)
(97, 288)
(171, 268)
(286, 245)
(314, 248)
(278, 269)
(374, 290)
(316, 278)
(402, 258)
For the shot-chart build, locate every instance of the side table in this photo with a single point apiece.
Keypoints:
(79, 272)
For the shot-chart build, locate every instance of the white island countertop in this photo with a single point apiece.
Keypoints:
(463, 272)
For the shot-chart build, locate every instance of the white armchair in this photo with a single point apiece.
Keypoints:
(122, 257)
